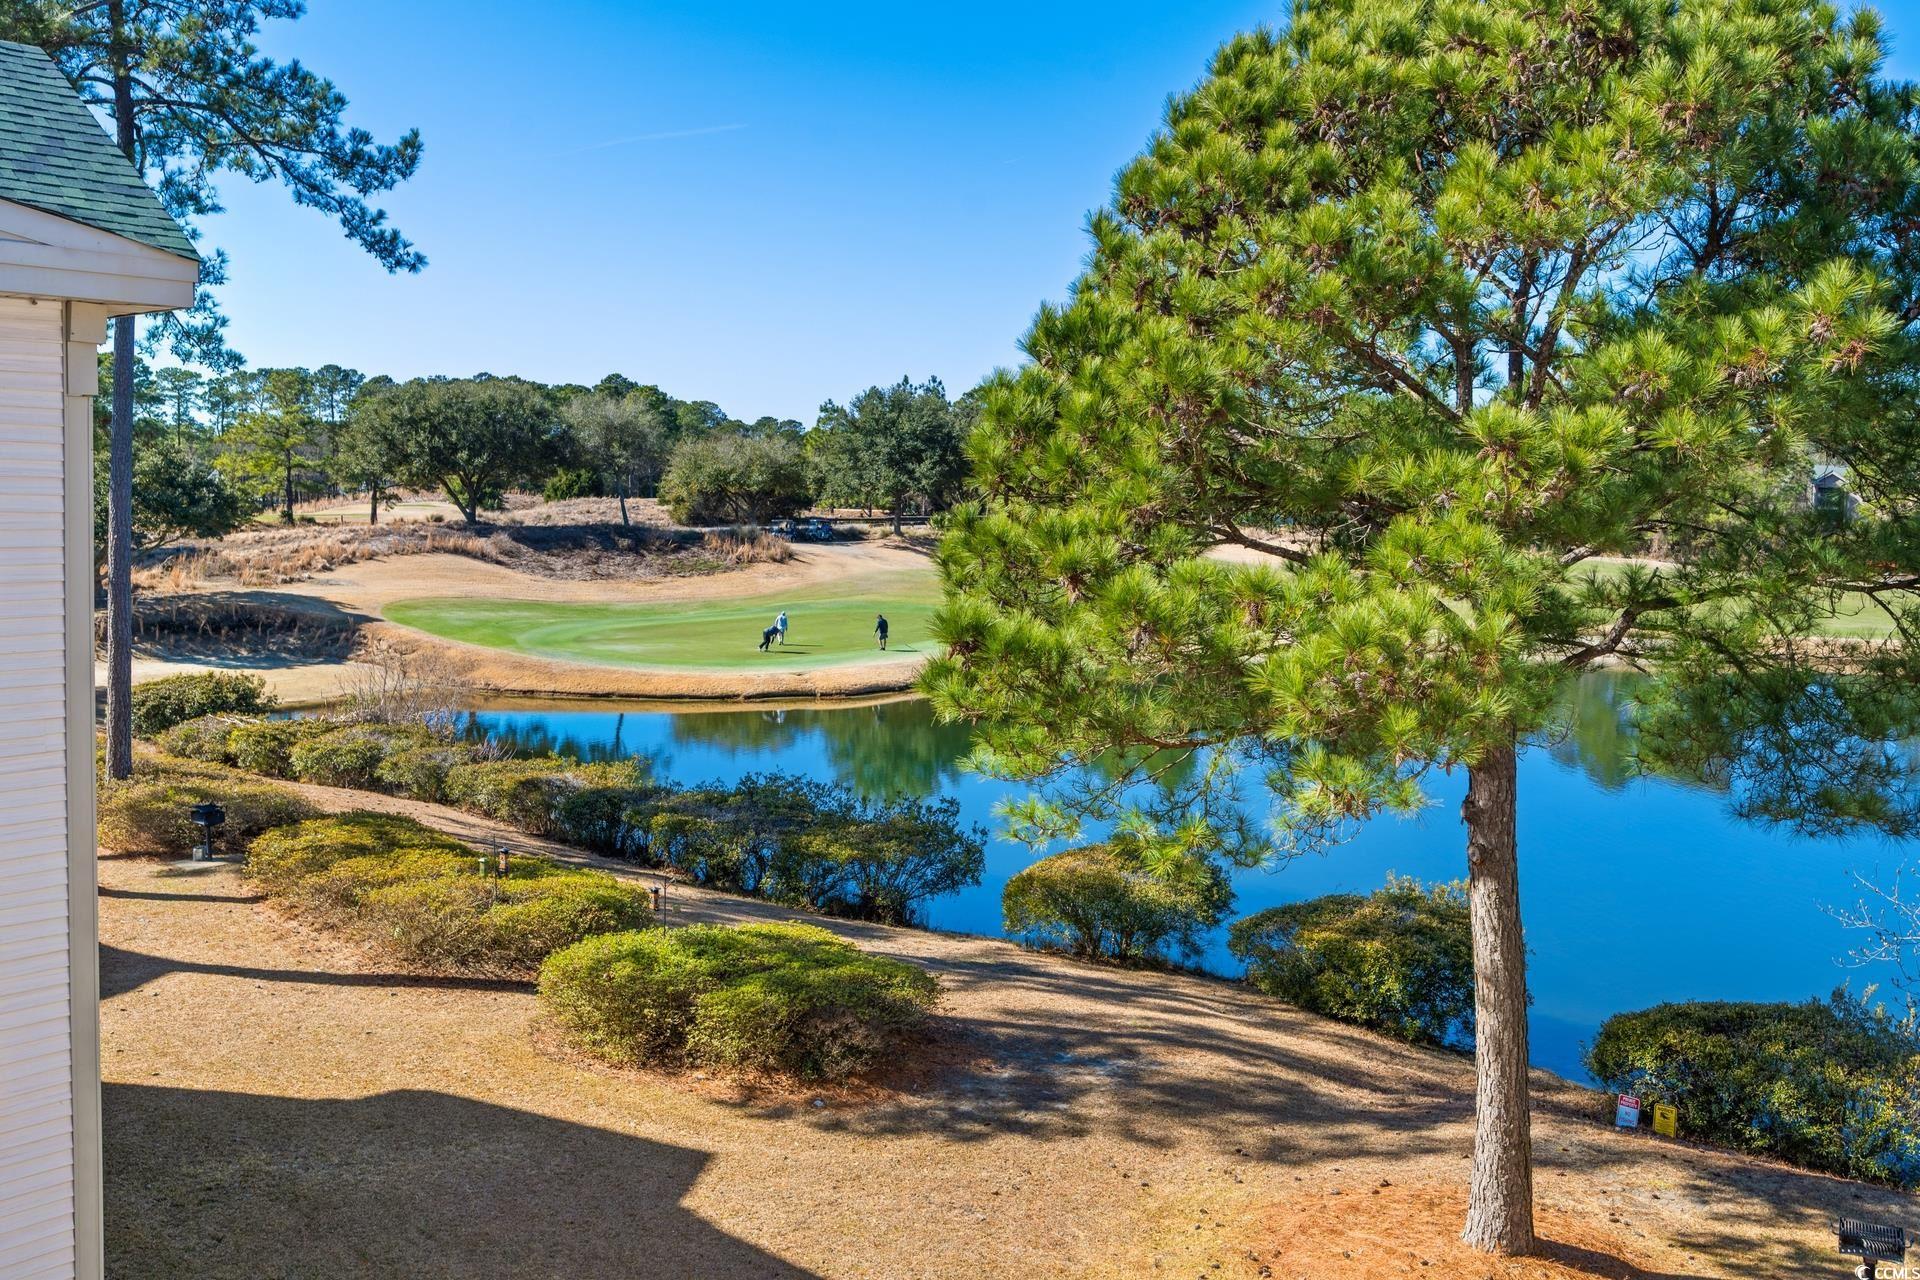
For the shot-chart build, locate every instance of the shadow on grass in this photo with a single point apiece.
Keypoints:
(415, 1183)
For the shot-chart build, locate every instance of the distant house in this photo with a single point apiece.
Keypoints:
(1827, 491)
(82, 239)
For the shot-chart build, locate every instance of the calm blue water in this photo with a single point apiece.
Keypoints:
(1636, 890)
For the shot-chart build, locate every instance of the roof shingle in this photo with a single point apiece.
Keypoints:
(55, 157)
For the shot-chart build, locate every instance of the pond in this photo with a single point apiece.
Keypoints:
(1636, 889)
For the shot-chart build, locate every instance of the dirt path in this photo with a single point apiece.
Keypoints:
(357, 594)
(278, 1105)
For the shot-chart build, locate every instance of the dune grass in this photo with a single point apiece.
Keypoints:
(828, 626)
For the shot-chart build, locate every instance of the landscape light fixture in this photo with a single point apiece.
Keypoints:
(206, 815)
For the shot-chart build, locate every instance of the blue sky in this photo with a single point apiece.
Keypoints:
(763, 205)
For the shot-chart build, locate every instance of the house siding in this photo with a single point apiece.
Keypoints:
(38, 1065)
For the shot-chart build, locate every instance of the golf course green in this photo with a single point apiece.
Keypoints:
(826, 626)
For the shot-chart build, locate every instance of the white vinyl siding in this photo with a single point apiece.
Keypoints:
(37, 1169)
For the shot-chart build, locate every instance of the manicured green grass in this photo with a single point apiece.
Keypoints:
(1855, 617)
(827, 626)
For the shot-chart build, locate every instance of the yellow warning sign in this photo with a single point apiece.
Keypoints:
(1666, 1120)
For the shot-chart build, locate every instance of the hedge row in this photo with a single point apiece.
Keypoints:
(789, 998)
(433, 901)
(795, 841)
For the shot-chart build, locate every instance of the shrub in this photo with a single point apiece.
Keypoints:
(879, 862)
(521, 793)
(571, 482)
(281, 859)
(148, 814)
(158, 705)
(204, 738)
(266, 746)
(1399, 960)
(420, 771)
(610, 813)
(432, 900)
(1831, 1085)
(351, 756)
(536, 917)
(706, 850)
(730, 838)
(461, 921)
(1103, 902)
(773, 997)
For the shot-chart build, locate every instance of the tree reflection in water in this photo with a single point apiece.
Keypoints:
(897, 748)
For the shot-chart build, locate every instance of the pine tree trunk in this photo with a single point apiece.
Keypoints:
(287, 509)
(1500, 1199)
(120, 557)
(120, 461)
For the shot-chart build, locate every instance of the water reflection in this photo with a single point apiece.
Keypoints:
(882, 751)
(1593, 731)
(897, 748)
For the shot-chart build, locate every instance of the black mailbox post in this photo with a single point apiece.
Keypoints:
(207, 815)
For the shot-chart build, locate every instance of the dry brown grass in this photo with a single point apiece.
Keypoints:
(737, 548)
(236, 626)
(279, 1104)
(265, 557)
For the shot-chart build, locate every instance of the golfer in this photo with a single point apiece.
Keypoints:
(880, 628)
(766, 637)
(780, 623)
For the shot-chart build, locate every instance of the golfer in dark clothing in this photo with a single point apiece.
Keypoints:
(880, 628)
(768, 636)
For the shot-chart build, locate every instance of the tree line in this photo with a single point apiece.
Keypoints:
(212, 450)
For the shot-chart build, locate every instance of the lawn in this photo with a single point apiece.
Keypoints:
(827, 626)
(1855, 616)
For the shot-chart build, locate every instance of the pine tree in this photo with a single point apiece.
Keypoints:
(1431, 354)
(189, 97)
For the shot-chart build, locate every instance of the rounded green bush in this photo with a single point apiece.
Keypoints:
(420, 771)
(148, 814)
(340, 887)
(536, 917)
(158, 705)
(203, 738)
(521, 793)
(1102, 902)
(785, 998)
(351, 755)
(1399, 960)
(266, 746)
(1831, 1085)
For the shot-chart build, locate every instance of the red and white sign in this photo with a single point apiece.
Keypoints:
(1626, 1111)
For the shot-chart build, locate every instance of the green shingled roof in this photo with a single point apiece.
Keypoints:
(54, 156)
